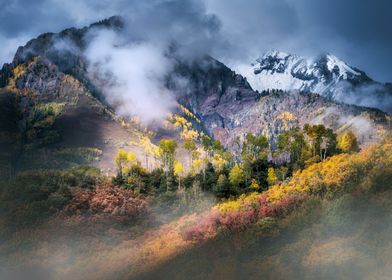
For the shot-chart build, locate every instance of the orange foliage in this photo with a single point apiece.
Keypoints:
(107, 201)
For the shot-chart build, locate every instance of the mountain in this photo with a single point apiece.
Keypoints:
(229, 107)
(326, 75)
(61, 118)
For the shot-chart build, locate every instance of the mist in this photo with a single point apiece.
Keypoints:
(130, 75)
(131, 64)
(372, 96)
(347, 238)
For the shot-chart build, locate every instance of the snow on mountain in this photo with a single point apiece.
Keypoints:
(324, 75)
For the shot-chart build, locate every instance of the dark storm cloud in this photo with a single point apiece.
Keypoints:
(358, 31)
(362, 31)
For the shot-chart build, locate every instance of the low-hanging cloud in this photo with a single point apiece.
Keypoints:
(130, 65)
(368, 95)
(131, 76)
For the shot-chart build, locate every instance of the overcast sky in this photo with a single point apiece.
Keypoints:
(235, 31)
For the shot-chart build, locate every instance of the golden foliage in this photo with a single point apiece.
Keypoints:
(188, 113)
(347, 142)
(197, 165)
(254, 186)
(287, 116)
(187, 132)
(272, 178)
(148, 146)
(236, 176)
(218, 161)
(179, 170)
(237, 204)
(125, 160)
(337, 174)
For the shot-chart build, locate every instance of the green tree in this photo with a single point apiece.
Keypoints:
(314, 134)
(207, 143)
(327, 144)
(293, 143)
(254, 152)
(207, 177)
(322, 140)
(254, 147)
(217, 146)
(237, 176)
(222, 187)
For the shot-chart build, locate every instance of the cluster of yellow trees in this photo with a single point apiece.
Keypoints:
(369, 170)
(337, 174)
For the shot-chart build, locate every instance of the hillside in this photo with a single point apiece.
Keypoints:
(330, 220)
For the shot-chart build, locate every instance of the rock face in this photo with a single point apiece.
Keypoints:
(50, 88)
(326, 75)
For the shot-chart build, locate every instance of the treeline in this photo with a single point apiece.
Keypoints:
(214, 169)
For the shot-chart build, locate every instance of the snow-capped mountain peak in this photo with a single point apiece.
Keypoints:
(324, 74)
(334, 63)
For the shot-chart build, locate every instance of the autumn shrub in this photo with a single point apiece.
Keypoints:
(282, 208)
(107, 201)
(203, 227)
(238, 215)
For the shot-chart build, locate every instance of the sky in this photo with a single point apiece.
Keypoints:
(234, 31)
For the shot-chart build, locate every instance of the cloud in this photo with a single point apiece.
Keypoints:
(131, 76)
(367, 95)
(357, 31)
(9, 46)
(131, 65)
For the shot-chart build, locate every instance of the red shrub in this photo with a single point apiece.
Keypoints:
(205, 225)
(107, 201)
(281, 209)
(241, 218)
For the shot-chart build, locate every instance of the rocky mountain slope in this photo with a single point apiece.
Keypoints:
(59, 116)
(229, 108)
(326, 75)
